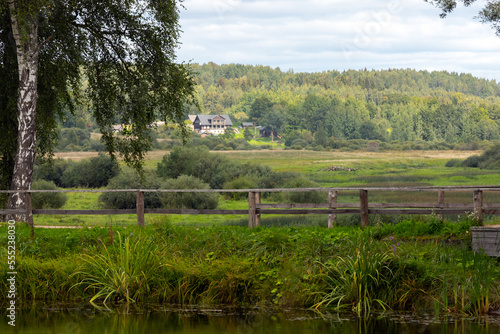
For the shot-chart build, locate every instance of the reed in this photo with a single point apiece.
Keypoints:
(123, 270)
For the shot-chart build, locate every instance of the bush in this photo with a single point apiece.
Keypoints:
(47, 200)
(127, 200)
(51, 171)
(303, 196)
(188, 200)
(93, 173)
(472, 161)
(454, 163)
(243, 182)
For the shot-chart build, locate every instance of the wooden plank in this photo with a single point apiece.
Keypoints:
(29, 214)
(251, 209)
(257, 212)
(84, 212)
(12, 212)
(307, 211)
(196, 212)
(363, 199)
(478, 206)
(332, 200)
(440, 202)
(491, 188)
(140, 208)
(417, 211)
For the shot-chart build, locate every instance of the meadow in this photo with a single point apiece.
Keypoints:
(416, 264)
(372, 169)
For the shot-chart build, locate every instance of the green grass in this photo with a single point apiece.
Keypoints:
(409, 266)
(373, 169)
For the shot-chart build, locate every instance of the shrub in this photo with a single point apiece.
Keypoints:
(127, 200)
(453, 163)
(51, 171)
(47, 200)
(303, 196)
(188, 200)
(472, 161)
(93, 173)
(243, 182)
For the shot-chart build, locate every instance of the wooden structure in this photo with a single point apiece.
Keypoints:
(486, 238)
(256, 208)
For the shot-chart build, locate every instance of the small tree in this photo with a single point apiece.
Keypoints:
(188, 200)
(247, 134)
(228, 133)
(47, 200)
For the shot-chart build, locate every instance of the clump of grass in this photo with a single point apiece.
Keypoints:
(357, 281)
(123, 270)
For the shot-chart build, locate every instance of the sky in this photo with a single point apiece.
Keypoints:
(322, 35)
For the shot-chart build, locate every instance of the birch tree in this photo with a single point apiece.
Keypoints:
(126, 50)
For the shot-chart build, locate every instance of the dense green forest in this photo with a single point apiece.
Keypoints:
(330, 109)
(388, 105)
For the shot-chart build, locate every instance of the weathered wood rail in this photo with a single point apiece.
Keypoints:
(363, 207)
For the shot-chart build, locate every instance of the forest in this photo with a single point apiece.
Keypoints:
(388, 105)
(331, 109)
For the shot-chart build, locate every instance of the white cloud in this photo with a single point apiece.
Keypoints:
(318, 35)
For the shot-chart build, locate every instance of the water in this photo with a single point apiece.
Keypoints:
(130, 320)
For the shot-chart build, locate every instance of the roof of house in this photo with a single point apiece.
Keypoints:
(207, 119)
(245, 124)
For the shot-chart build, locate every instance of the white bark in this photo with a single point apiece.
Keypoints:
(27, 58)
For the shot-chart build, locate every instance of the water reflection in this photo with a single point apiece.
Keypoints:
(144, 319)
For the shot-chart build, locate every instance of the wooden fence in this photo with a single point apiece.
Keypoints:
(256, 208)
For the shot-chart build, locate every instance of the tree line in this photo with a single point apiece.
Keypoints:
(387, 105)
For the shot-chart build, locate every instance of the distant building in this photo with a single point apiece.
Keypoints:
(214, 124)
(266, 132)
(246, 125)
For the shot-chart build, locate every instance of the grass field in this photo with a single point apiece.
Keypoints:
(372, 169)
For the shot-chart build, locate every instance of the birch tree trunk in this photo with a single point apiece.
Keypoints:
(27, 58)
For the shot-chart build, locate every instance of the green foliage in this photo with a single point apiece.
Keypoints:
(400, 105)
(358, 281)
(47, 200)
(127, 200)
(123, 271)
(490, 159)
(92, 173)
(188, 200)
(214, 169)
(302, 196)
(51, 170)
(127, 54)
(242, 182)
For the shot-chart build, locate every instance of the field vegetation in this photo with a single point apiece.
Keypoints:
(271, 169)
(413, 266)
(418, 264)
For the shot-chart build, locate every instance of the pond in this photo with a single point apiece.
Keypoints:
(130, 320)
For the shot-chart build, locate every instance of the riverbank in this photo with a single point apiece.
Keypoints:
(412, 266)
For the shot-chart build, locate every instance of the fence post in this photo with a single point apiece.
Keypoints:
(332, 199)
(440, 202)
(140, 208)
(363, 197)
(478, 206)
(251, 209)
(257, 215)
(29, 213)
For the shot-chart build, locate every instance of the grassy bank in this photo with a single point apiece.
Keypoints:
(417, 266)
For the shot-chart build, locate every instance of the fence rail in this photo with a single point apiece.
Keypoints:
(255, 208)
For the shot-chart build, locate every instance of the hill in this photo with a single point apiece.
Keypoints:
(387, 105)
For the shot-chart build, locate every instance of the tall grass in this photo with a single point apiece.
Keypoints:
(358, 281)
(123, 270)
